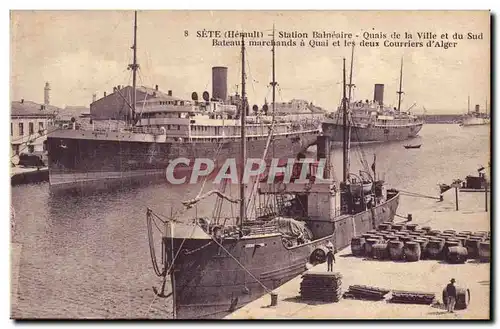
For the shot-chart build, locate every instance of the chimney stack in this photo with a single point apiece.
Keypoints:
(46, 94)
(219, 82)
(114, 89)
(104, 94)
(22, 100)
(378, 94)
(156, 87)
(94, 97)
(170, 93)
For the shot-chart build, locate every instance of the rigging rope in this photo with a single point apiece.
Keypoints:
(241, 265)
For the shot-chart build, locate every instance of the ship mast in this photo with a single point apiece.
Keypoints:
(400, 86)
(273, 83)
(134, 66)
(243, 137)
(345, 137)
(468, 104)
(350, 85)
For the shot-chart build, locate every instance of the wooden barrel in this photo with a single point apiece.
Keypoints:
(472, 245)
(392, 238)
(463, 298)
(402, 233)
(396, 250)
(426, 228)
(456, 255)
(398, 227)
(405, 230)
(380, 251)
(372, 232)
(462, 239)
(450, 243)
(412, 251)
(484, 252)
(420, 232)
(405, 239)
(366, 235)
(411, 227)
(446, 236)
(434, 232)
(452, 232)
(358, 245)
(414, 236)
(481, 233)
(388, 236)
(435, 248)
(428, 237)
(383, 232)
(423, 246)
(465, 232)
(368, 246)
(384, 227)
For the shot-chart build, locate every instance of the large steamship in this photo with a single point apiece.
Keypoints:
(136, 132)
(218, 265)
(372, 121)
(475, 118)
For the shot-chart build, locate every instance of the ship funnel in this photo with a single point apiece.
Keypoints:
(477, 108)
(378, 94)
(219, 82)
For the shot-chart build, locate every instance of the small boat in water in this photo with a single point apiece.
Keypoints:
(413, 146)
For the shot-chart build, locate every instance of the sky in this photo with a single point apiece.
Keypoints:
(84, 52)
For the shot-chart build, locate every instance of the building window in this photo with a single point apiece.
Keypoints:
(31, 128)
(21, 129)
(40, 126)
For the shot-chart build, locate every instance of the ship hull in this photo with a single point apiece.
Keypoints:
(210, 284)
(371, 134)
(475, 122)
(84, 159)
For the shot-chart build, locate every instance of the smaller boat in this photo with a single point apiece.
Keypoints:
(413, 146)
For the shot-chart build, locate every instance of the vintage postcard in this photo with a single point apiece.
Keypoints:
(250, 164)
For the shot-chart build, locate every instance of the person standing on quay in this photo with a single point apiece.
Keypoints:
(330, 258)
(451, 293)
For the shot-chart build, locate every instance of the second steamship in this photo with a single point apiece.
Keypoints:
(136, 132)
(373, 121)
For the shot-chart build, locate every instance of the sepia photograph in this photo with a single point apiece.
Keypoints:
(250, 164)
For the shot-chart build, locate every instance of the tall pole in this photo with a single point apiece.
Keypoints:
(400, 85)
(134, 66)
(350, 85)
(243, 135)
(456, 198)
(468, 104)
(273, 83)
(485, 194)
(344, 142)
(172, 274)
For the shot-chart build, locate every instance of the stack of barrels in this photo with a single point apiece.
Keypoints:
(408, 242)
(325, 287)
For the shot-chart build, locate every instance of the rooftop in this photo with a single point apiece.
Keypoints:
(30, 108)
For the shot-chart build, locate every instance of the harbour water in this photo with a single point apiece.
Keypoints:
(88, 256)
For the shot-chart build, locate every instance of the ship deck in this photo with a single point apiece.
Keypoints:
(425, 276)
